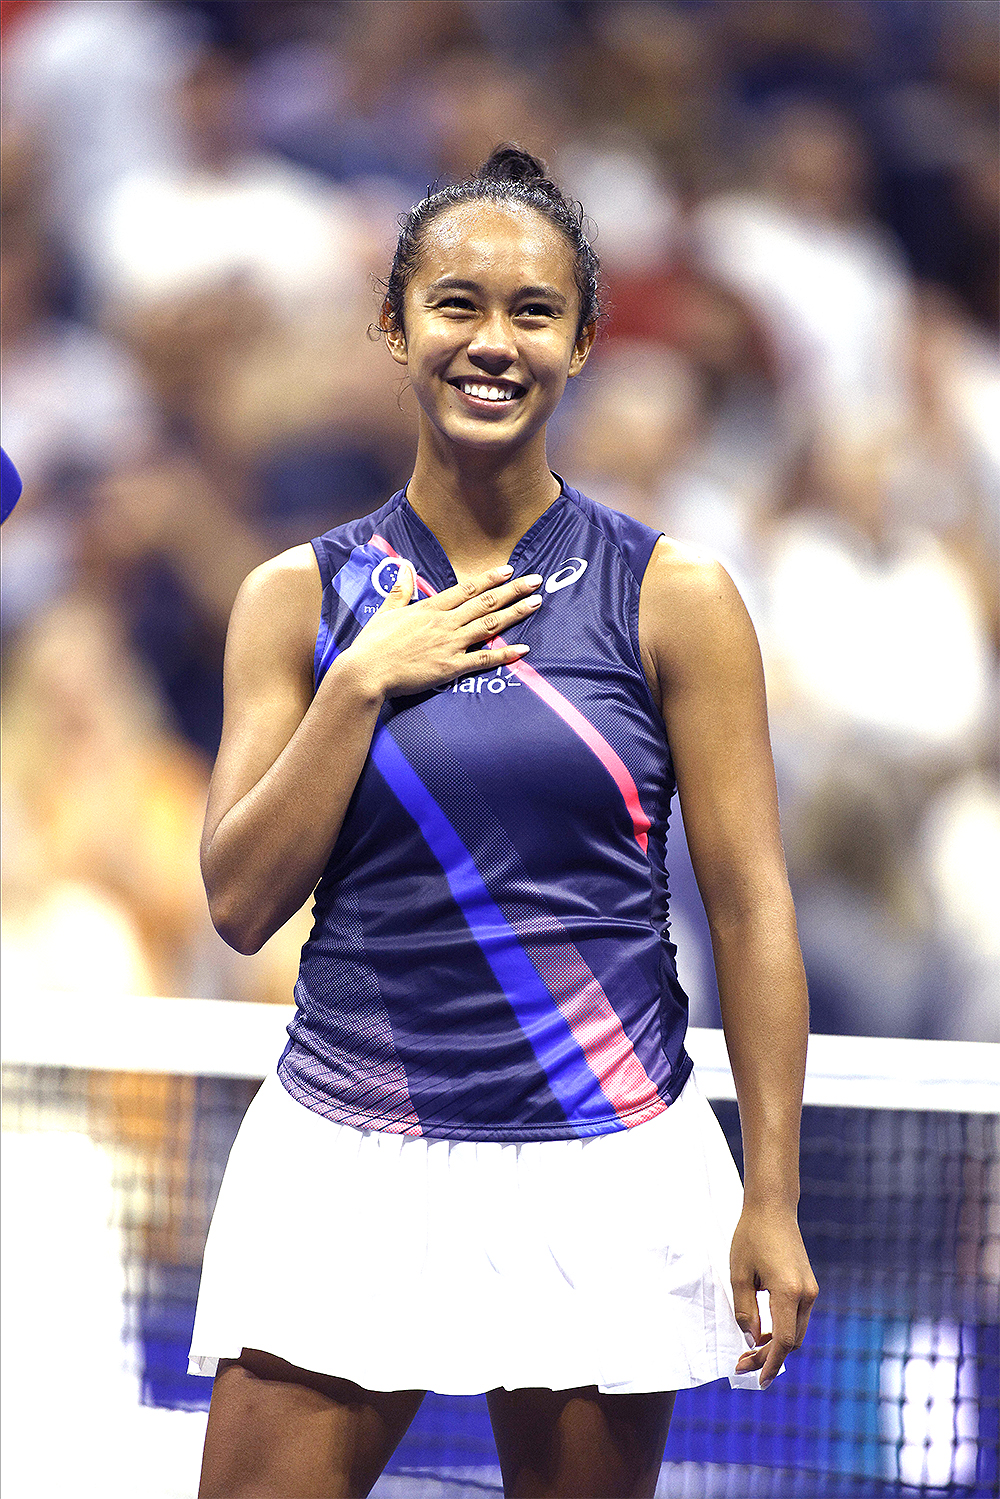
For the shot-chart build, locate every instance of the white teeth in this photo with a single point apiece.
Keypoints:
(487, 392)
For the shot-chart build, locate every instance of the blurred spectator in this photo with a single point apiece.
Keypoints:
(633, 422)
(102, 496)
(827, 282)
(872, 959)
(104, 804)
(228, 216)
(629, 199)
(243, 284)
(75, 402)
(950, 473)
(346, 98)
(93, 80)
(959, 846)
(940, 178)
(652, 72)
(875, 635)
(83, 734)
(641, 437)
(880, 679)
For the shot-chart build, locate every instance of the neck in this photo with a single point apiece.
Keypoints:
(479, 509)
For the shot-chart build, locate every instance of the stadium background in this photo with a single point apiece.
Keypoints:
(796, 205)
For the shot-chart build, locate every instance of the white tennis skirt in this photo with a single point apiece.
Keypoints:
(461, 1266)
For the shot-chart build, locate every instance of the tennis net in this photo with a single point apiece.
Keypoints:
(118, 1119)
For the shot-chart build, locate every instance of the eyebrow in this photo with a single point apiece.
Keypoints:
(455, 283)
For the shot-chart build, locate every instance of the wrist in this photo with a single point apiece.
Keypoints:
(361, 677)
(771, 1197)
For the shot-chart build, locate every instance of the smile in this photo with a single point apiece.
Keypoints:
(493, 393)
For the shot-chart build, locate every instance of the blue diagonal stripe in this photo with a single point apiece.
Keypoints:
(558, 1052)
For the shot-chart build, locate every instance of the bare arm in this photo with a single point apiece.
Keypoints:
(702, 656)
(289, 760)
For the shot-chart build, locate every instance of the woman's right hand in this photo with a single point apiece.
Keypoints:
(407, 648)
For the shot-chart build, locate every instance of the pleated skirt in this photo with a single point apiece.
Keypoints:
(462, 1266)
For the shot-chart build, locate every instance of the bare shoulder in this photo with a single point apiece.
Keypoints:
(282, 595)
(291, 576)
(275, 619)
(687, 580)
(690, 614)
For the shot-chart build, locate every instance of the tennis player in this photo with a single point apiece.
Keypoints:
(482, 1163)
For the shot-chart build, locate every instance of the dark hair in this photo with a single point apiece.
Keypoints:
(509, 175)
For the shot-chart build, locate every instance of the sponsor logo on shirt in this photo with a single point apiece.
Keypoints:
(493, 682)
(565, 574)
(384, 576)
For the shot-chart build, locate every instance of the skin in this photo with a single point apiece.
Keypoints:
(289, 762)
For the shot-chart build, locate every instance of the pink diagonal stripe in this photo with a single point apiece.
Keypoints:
(613, 764)
(594, 1022)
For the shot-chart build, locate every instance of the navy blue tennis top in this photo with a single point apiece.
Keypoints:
(490, 957)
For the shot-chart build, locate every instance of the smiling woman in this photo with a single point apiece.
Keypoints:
(482, 1149)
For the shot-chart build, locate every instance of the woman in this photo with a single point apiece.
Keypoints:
(482, 1164)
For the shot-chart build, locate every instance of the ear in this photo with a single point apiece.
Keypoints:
(582, 348)
(395, 338)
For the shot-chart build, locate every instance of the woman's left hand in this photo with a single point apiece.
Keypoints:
(768, 1255)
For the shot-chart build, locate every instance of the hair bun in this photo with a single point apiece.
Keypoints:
(508, 163)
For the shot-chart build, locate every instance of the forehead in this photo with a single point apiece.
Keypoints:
(483, 240)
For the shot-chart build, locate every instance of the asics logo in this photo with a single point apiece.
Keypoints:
(567, 573)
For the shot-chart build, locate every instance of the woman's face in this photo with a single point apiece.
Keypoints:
(491, 325)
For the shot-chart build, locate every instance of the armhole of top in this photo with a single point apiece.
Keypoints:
(637, 561)
(324, 630)
(322, 562)
(635, 553)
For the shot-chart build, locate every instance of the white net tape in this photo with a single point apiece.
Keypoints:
(219, 1038)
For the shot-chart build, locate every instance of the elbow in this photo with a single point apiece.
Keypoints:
(242, 935)
(740, 911)
(240, 941)
(236, 918)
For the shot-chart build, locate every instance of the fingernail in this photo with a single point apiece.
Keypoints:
(749, 1340)
(765, 1382)
(533, 578)
(533, 600)
(505, 572)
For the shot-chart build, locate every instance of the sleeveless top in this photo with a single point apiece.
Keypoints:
(490, 958)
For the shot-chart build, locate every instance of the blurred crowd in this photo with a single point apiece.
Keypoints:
(796, 206)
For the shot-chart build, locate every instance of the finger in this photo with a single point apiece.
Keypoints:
(784, 1311)
(802, 1317)
(461, 593)
(503, 655)
(401, 591)
(498, 597)
(754, 1358)
(747, 1310)
(488, 626)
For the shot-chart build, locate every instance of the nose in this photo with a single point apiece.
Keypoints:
(492, 346)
